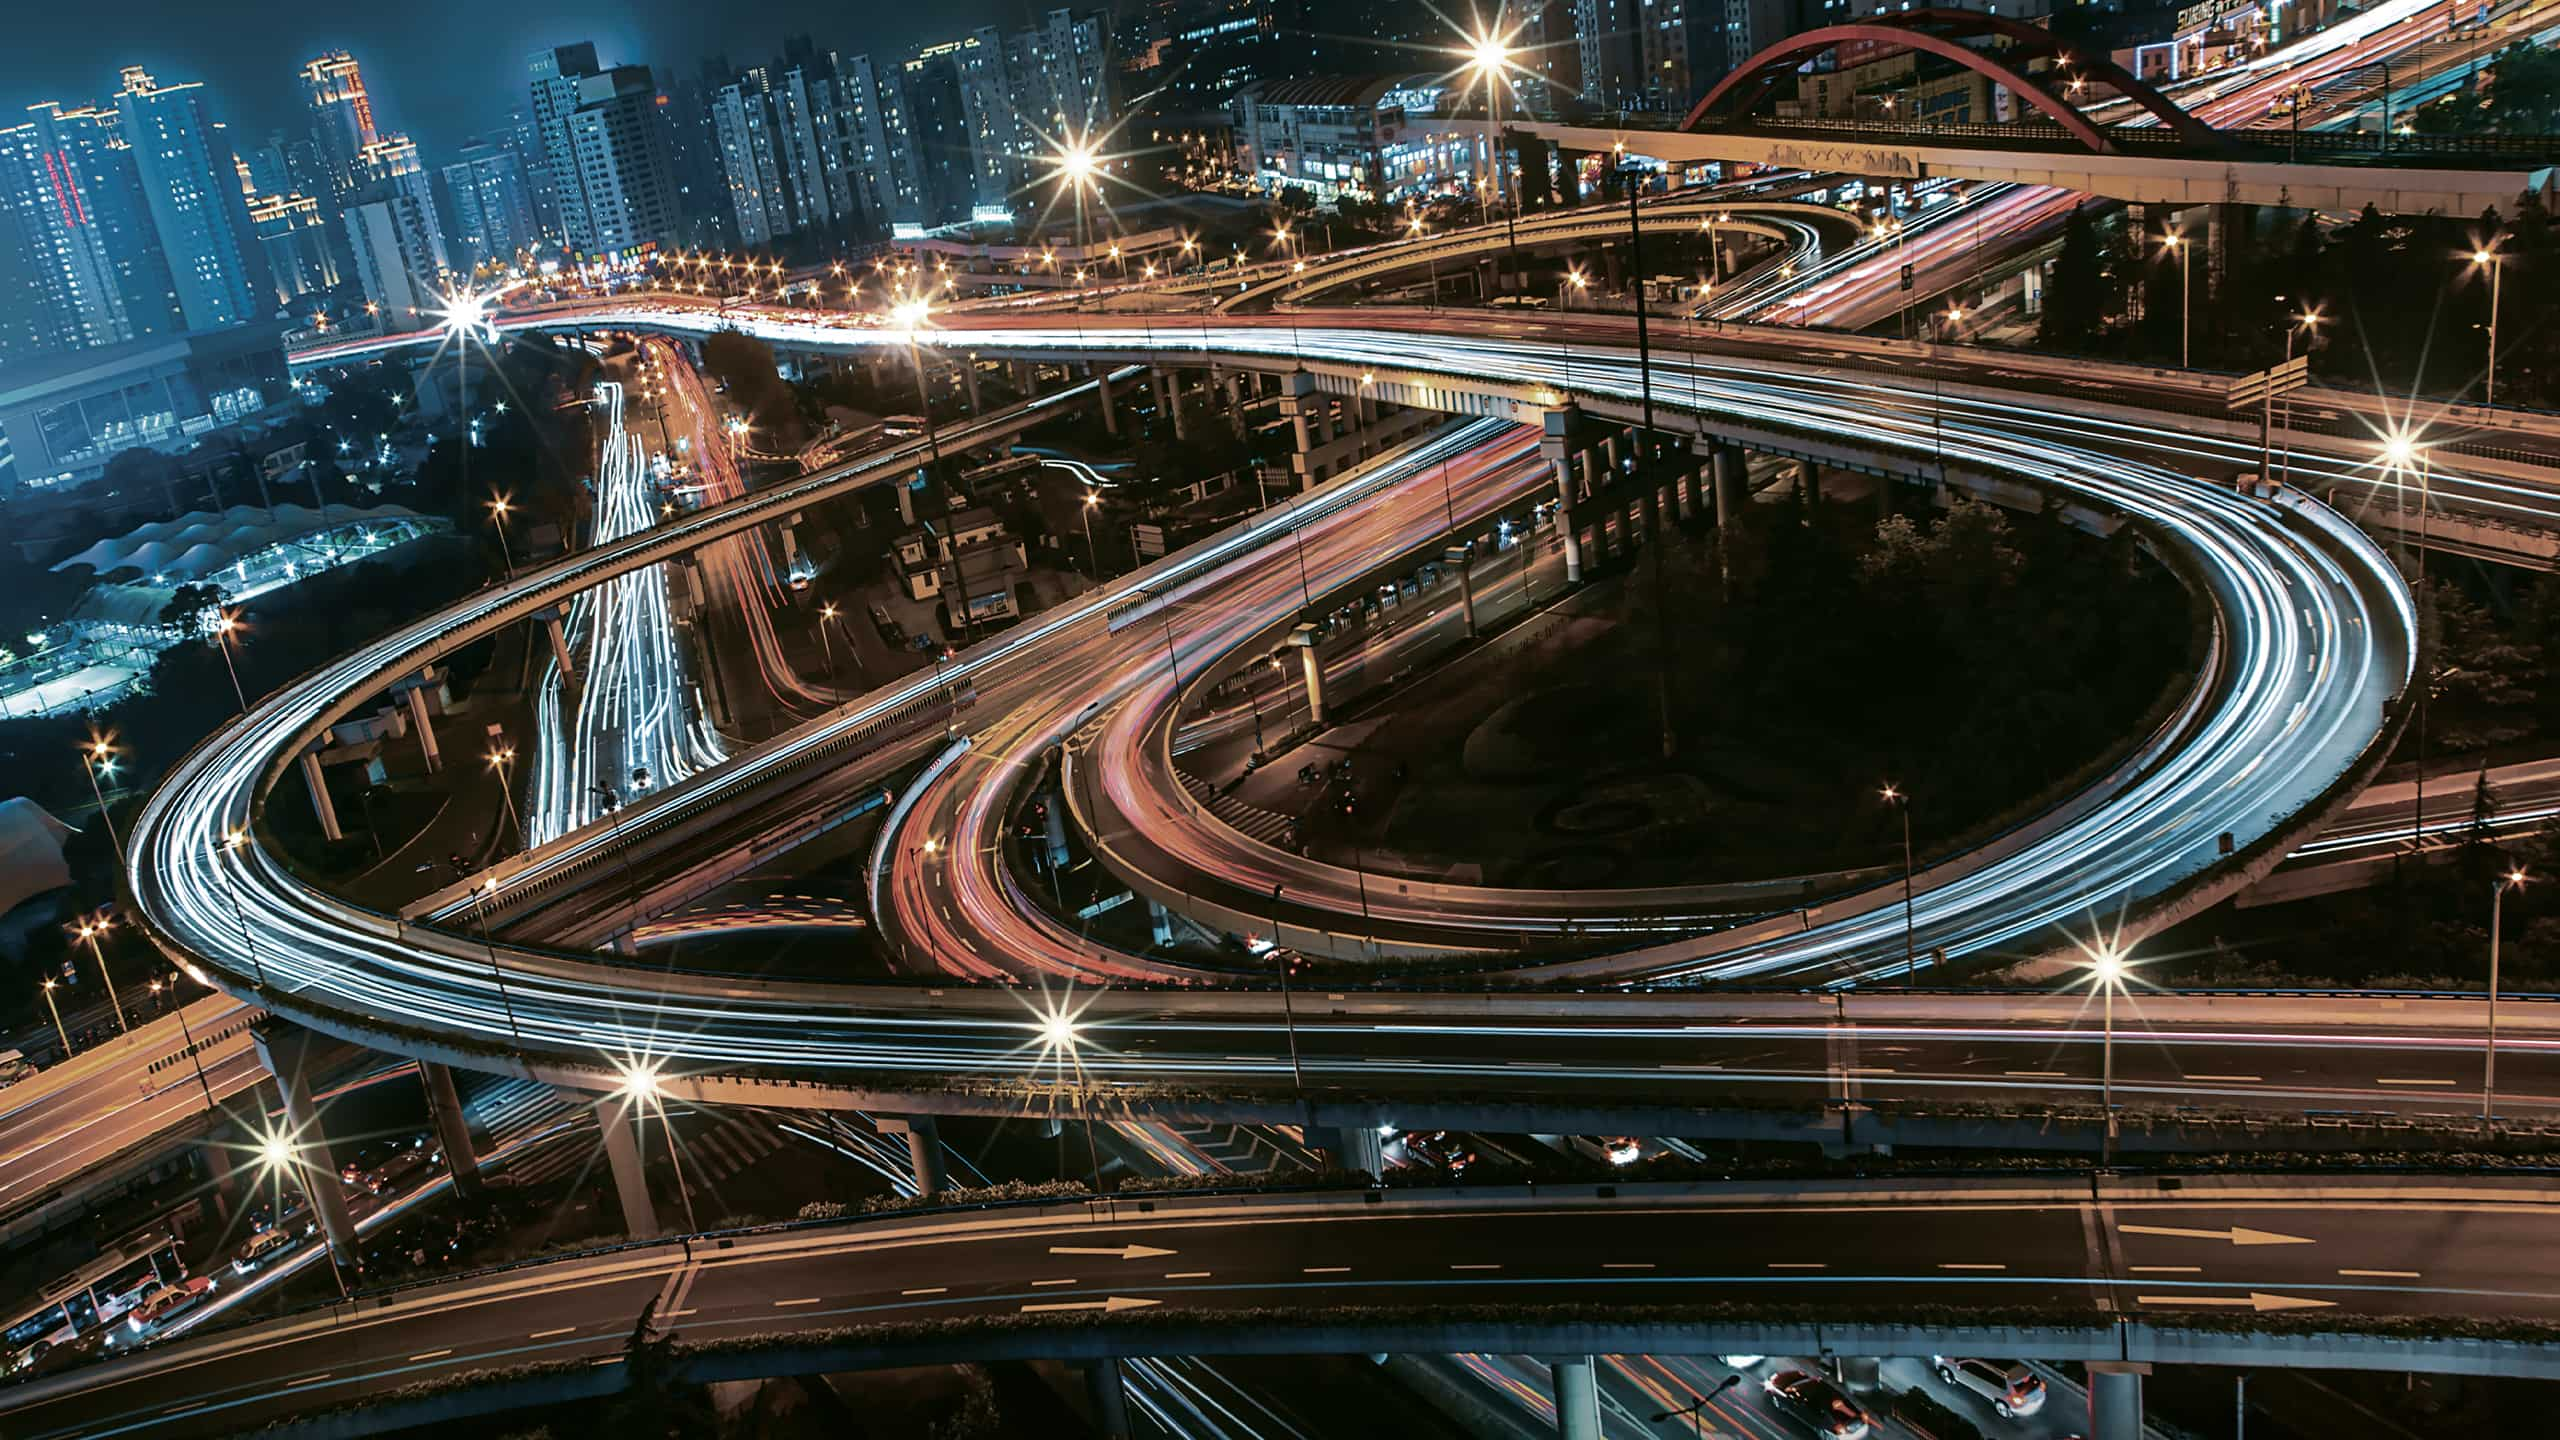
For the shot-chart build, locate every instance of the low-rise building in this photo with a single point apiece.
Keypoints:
(969, 560)
(1380, 137)
(66, 415)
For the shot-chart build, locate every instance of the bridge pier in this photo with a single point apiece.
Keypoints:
(318, 783)
(924, 1150)
(1557, 446)
(1102, 395)
(285, 1050)
(1461, 557)
(453, 1127)
(1304, 637)
(1577, 1395)
(414, 690)
(615, 1117)
(1351, 1147)
(2115, 1399)
(1108, 1393)
(559, 637)
(969, 379)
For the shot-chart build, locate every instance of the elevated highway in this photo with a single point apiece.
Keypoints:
(2412, 1274)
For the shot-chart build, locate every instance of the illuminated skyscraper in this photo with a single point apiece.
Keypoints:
(341, 119)
(191, 188)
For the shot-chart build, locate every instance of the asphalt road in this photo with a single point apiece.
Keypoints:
(2483, 1249)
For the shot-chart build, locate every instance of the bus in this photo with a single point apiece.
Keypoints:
(90, 1298)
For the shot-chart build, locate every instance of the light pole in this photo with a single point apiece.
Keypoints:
(90, 930)
(1900, 799)
(481, 895)
(499, 760)
(229, 844)
(1490, 54)
(911, 316)
(279, 1153)
(2107, 966)
(223, 625)
(188, 1031)
(826, 616)
(1288, 1005)
(2178, 245)
(1059, 1033)
(1092, 556)
(498, 508)
(1696, 1409)
(2401, 452)
(99, 755)
(2512, 880)
(2486, 257)
(57, 1020)
(2308, 323)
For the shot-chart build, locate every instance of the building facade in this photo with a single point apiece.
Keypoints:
(491, 215)
(190, 186)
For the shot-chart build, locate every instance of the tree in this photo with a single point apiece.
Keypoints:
(2075, 300)
(187, 606)
(657, 1402)
(745, 366)
(2481, 681)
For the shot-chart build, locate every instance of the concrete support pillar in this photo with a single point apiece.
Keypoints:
(924, 1150)
(1235, 402)
(1863, 1374)
(559, 637)
(2115, 1399)
(1461, 559)
(424, 724)
(1556, 444)
(453, 1127)
(1173, 402)
(614, 1116)
(1589, 463)
(1577, 1394)
(1351, 1147)
(321, 805)
(218, 1176)
(1811, 480)
(1304, 637)
(1609, 451)
(1733, 483)
(1687, 491)
(1105, 1389)
(969, 378)
(1102, 393)
(285, 1050)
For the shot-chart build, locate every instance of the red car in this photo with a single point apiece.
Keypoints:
(167, 1302)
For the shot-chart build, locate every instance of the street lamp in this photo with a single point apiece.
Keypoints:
(2308, 325)
(1900, 799)
(1061, 1035)
(1489, 55)
(498, 508)
(481, 896)
(912, 316)
(1696, 1409)
(90, 930)
(57, 1020)
(223, 625)
(96, 757)
(2402, 453)
(2487, 258)
(640, 1090)
(826, 617)
(499, 760)
(2106, 969)
(188, 1031)
(1092, 557)
(2512, 880)
(2181, 247)
(280, 1154)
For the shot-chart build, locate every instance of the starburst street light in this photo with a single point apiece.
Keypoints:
(469, 314)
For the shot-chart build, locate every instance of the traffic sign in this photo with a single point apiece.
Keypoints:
(2269, 383)
(1906, 277)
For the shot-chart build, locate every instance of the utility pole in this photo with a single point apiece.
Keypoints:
(1628, 177)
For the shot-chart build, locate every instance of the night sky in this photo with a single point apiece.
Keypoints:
(438, 71)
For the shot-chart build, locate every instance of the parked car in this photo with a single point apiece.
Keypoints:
(1817, 1405)
(2012, 1388)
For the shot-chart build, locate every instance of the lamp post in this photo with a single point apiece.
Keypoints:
(2512, 880)
(2107, 966)
(1696, 1409)
(2486, 257)
(2178, 245)
(57, 1020)
(279, 1153)
(1288, 1005)
(1900, 799)
(99, 755)
(227, 845)
(188, 1031)
(911, 316)
(2401, 453)
(90, 930)
(498, 508)
(499, 760)
(1060, 1033)
(1490, 55)
(481, 895)
(223, 625)
(1092, 556)
(826, 617)
(2308, 324)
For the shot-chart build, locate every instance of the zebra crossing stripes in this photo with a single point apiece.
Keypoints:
(1268, 826)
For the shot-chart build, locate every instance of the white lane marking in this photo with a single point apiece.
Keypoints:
(1798, 1265)
(1327, 1270)
(2389, 1080)
(1186, 1275)
(1036, 1284)
(929, 1290)
(1475, 1267)
(1967, 1265)
(2229, 1079)
(2166, 1269)
(1626, 1264)
(547, 1334)
(429, 1355)
(2381, 1274)
(803, 1300)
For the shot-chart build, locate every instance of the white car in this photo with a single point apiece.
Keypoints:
(2012, 1388)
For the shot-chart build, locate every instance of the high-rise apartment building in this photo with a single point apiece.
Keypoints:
(605, 157)
(191, 188)
(988, 112)
(293, 234)
(341, 120)
(491, 216)
(84, 263)
(796, 140)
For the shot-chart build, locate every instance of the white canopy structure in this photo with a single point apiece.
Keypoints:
(199, 545)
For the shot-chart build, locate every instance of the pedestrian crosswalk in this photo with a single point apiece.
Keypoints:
(1241, 1149)
(538, 1136)
(1268, 826)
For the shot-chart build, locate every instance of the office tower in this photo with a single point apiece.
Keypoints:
(558, 202)
(341, 120)
(492, 215)
(192, 191)
(84, 259)
(391, 165)
(399, 253)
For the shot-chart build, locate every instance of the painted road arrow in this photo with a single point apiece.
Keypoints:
(1124, 1252)
(2254, 1300)
(2237, 1235)
(1114, 1305)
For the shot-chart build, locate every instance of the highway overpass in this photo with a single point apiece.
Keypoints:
(2440, 1275)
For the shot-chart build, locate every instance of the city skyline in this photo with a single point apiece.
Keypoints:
(442, 86)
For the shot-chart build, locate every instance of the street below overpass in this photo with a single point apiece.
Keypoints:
(2072, 1269)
